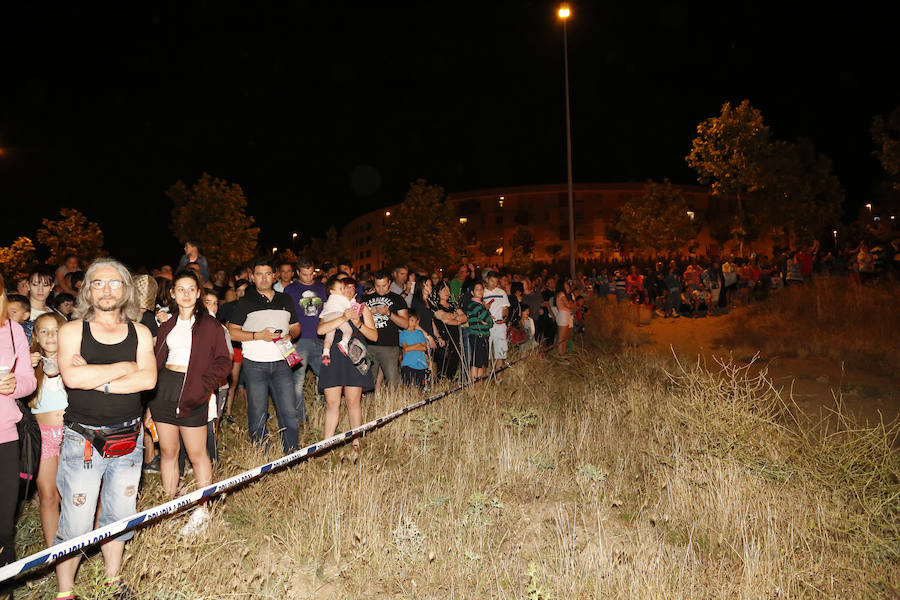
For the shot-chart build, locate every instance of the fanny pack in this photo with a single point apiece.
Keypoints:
(110, 442)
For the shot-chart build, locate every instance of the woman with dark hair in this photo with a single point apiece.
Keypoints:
(448, 318)
(40, 291)
(422, 302)
(163, 299)
(341, 377)
(193, 361)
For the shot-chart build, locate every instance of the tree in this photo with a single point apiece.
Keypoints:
(489, 248)
(523, 241)
(658, 219)
(423, 232)
(329, 249)
(730, 154)
(886, 135)
(71, 234)
(553, 250)
(802, 196)
(18, 259)
(519, 257)
(212, 212)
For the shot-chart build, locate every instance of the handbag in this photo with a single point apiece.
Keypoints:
(29, 445)
(358, 354)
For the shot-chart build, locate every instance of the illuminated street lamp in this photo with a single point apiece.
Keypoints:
(274, 249)
(387, 213)
(834, 231)
(869, 206)
(463, 220)
(564, 14)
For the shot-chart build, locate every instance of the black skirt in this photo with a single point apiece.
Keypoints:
(342, 372)
(165, 402)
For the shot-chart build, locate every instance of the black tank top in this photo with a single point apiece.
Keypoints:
(90, 407)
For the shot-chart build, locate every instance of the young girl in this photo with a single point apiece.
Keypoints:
(342, 296)
(527, 324)
(48, 406)
(193, 360)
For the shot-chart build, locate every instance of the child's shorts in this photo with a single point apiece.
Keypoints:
(51, 440)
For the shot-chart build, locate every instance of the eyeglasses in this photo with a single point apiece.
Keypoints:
(99, 284)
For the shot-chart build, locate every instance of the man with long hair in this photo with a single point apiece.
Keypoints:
(106, 360)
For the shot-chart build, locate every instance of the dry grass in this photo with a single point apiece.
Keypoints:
(831, 318)
(608, 475)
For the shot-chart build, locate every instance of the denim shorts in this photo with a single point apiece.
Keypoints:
(79, 487)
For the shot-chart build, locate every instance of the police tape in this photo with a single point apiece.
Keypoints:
(53, 553)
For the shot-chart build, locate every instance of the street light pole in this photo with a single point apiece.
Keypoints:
(564, 13)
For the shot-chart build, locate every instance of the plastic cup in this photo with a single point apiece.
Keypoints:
(51, 367)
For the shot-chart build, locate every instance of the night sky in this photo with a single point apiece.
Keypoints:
(325, 110)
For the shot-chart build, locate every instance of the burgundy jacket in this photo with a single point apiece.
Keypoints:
(208, 367)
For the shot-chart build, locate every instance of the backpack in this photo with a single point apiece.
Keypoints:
(29, 445)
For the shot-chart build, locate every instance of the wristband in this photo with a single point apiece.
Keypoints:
(106, 388)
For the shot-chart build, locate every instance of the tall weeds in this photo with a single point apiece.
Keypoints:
(830, 317)
(604, 475)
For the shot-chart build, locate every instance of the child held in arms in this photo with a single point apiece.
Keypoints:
(414, 345)
(342, 295)
(18, 309)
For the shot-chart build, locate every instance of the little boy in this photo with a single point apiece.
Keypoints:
(414, 345)
(18, 308)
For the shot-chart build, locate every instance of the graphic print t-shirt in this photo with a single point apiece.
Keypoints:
(307, 301)
(388, 332)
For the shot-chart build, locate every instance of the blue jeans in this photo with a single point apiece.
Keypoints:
(275, 378)
(466, 352)
(80, 488)
(310, 350)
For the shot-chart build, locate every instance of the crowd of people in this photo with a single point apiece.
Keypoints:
(698, 287)
(127, 372)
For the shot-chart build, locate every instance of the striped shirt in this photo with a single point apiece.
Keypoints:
(480, 320)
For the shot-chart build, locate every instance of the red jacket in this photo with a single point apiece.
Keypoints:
(208, 366)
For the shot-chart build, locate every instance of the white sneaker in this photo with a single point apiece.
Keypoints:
(197, 524)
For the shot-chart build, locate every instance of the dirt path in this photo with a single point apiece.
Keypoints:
(813, 382)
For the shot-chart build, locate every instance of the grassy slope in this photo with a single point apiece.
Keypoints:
(601, 477)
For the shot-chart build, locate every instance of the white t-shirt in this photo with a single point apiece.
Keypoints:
(179, 342)
(500, 301)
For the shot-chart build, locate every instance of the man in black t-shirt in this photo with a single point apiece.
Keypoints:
(259, 318)
(390, 313)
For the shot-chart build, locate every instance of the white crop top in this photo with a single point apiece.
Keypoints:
(179, 343)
